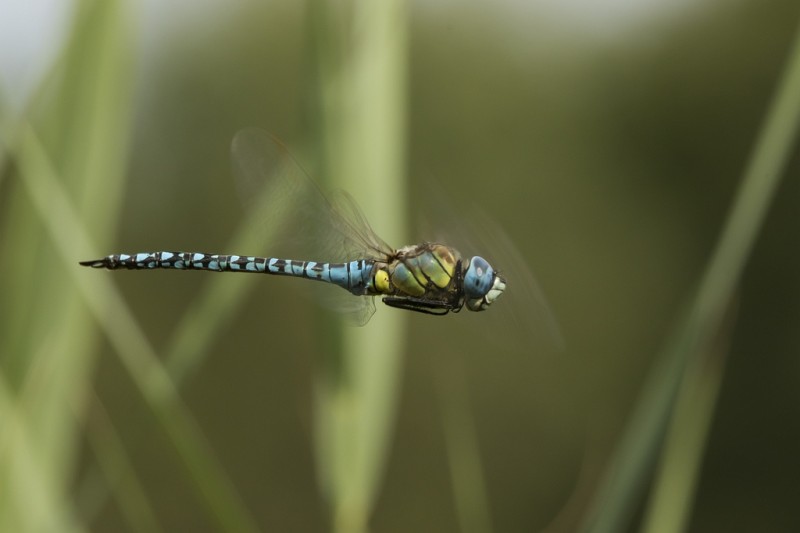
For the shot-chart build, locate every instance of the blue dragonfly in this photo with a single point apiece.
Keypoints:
(429, 277)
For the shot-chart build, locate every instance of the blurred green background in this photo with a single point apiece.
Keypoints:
(607, 139)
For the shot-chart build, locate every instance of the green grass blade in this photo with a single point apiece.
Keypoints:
(214, 307)
(675, 485)
(46, 334)
(119, 474)
(618, 494)
(362, 125)
(34, 497)
(466, 471)
(126, 337)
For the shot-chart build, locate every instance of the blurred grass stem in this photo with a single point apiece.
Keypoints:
(617, 496)
(129, 341)
(36, 492)
(466, 469)
(361, 64)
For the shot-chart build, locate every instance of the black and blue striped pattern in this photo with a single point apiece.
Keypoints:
(355, 276)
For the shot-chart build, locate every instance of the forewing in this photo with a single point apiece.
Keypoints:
(521, 316)
(301, 220)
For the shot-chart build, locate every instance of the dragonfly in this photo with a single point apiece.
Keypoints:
(430, 277)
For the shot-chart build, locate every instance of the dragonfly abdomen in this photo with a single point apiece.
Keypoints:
(176, 260)
(355, 276)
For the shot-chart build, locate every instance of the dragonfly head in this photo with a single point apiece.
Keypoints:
(482, 285)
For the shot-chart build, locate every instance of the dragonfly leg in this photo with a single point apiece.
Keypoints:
(419, 305)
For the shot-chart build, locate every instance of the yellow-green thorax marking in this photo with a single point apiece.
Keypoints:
(420, 270)
(432, 278)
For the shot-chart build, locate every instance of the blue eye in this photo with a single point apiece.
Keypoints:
(478, 279)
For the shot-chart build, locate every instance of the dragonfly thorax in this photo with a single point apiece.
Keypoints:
(482, 285)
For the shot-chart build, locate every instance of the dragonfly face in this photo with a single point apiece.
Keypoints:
(482, 285)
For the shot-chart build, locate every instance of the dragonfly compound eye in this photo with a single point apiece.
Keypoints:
(481, 284)
(478, 279)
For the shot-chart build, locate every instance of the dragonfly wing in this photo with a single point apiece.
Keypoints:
(522, 314)
(301, 221)
(528, 310)
(316, 228)
(263, 173)
(356, 310)
(356, 226)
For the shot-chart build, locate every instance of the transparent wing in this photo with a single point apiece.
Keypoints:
(529, 311)
(306, 222)
(302, 222)
(357, 310)
(521, 317)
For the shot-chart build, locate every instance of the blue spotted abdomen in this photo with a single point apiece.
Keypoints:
(355, 276)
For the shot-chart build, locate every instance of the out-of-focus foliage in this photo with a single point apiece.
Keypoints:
(609, 152)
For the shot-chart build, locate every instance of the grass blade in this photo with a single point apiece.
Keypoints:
(466, 471)
(633, 459)
(33, 485)
(46, 334)
(670, 505)
(362, 125)
(129, 341)
(119, 474)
